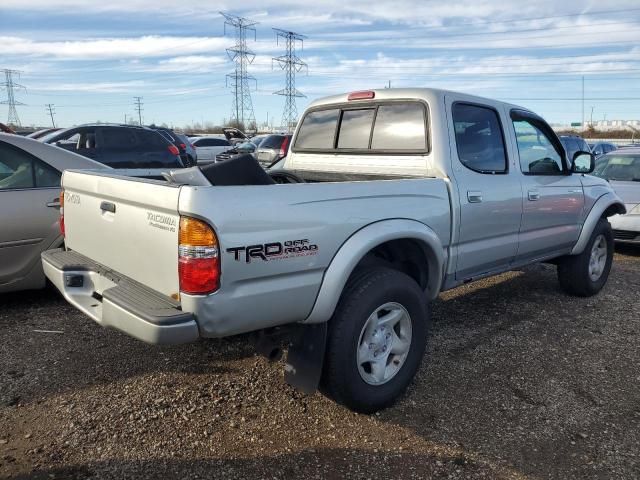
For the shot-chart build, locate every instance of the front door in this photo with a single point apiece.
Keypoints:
(490, 194)
(553, 197)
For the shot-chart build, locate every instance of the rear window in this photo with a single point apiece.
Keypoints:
(355, 128)
(317, 131)
(272, 141)
(151, 140)
(397, 127)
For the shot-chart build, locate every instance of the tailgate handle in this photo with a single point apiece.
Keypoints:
(108, 207)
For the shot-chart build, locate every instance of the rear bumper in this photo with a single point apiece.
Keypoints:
(115, 301)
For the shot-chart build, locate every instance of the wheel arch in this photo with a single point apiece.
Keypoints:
(406, 245)
(606, 206)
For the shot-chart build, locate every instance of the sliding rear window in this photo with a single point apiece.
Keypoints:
(393, 127)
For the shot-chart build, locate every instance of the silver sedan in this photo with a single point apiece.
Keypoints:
(622, 169)
(30, 174)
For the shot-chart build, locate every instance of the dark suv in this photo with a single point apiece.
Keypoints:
(573, 144)
(187, 151)
(119, 146)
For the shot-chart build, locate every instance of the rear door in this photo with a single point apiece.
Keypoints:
(127, 224)
(29, 205)
(553, 198)
(490, 194)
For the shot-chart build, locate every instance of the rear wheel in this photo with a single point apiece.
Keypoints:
(585, 274)
(377, 337)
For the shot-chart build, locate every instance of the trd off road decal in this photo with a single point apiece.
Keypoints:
(274, 250)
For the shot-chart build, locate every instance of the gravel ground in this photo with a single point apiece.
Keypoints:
(520, 381)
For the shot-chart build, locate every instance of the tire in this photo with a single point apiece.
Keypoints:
(343, 375)
(574, 271)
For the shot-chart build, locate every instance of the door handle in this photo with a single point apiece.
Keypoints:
(534, 195)
(474, 197)
(54, 204)
(108, 207)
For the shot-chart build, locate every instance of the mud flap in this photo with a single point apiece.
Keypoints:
(305, 356)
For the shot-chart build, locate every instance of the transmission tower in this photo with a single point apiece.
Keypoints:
(291, 64)
(51, 111)
(137, 102)
(242, 106)
(10, 85)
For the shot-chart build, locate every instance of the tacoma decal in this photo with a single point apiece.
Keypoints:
(163, 222)
(274, 250)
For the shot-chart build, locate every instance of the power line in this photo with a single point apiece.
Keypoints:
(137, 102)
(10, 86)
(51, 111)
(291, 64)
(242, 106)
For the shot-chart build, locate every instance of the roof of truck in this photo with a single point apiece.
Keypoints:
(429, 94)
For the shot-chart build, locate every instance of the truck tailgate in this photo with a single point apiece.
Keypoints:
(126, 224)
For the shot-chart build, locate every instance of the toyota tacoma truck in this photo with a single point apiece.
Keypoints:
(386, 198)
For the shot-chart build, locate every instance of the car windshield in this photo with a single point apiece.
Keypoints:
(619, 167)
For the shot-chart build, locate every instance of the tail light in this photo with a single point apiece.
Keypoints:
(284, 147)
(174, 150)
(183, 146)
(61, 222)
(198, 257)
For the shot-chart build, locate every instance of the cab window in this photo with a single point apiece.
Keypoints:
(479, 138)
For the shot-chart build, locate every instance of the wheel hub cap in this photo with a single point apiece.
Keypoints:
(598, 258)
(384, 343)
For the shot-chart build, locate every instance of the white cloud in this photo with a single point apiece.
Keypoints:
(112, 48)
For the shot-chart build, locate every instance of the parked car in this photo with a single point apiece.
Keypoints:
(573, 144)
(30, 174)
(346, 264)
(272, 149)
(183, 147)
(258, 139)
(600, 148)
(210, 146)
(190, 149)
(622, 169)
(41, 133)
(119, 146)
(238, 149)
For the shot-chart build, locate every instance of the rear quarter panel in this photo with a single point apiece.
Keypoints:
(282, 288)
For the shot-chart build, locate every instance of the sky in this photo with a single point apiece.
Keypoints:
(90, 58)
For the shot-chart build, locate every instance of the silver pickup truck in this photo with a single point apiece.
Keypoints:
(386, 199)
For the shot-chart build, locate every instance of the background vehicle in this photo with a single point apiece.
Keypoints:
(600, 148)
(41, 133)
(184, 147)
(573, 144)
(272, 149)
(238, 149)
(208, 147)
(622, 169)
(119, 146)
(345, 259)
(30, 174)
(189, 148)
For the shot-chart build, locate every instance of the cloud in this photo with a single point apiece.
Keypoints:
(112, 48)
(101, 87)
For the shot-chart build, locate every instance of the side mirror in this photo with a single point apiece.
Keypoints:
(583, 162)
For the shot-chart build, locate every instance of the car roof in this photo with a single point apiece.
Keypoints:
(430, 94)
(57, 157)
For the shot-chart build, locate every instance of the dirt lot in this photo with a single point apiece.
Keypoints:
(520, 381)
